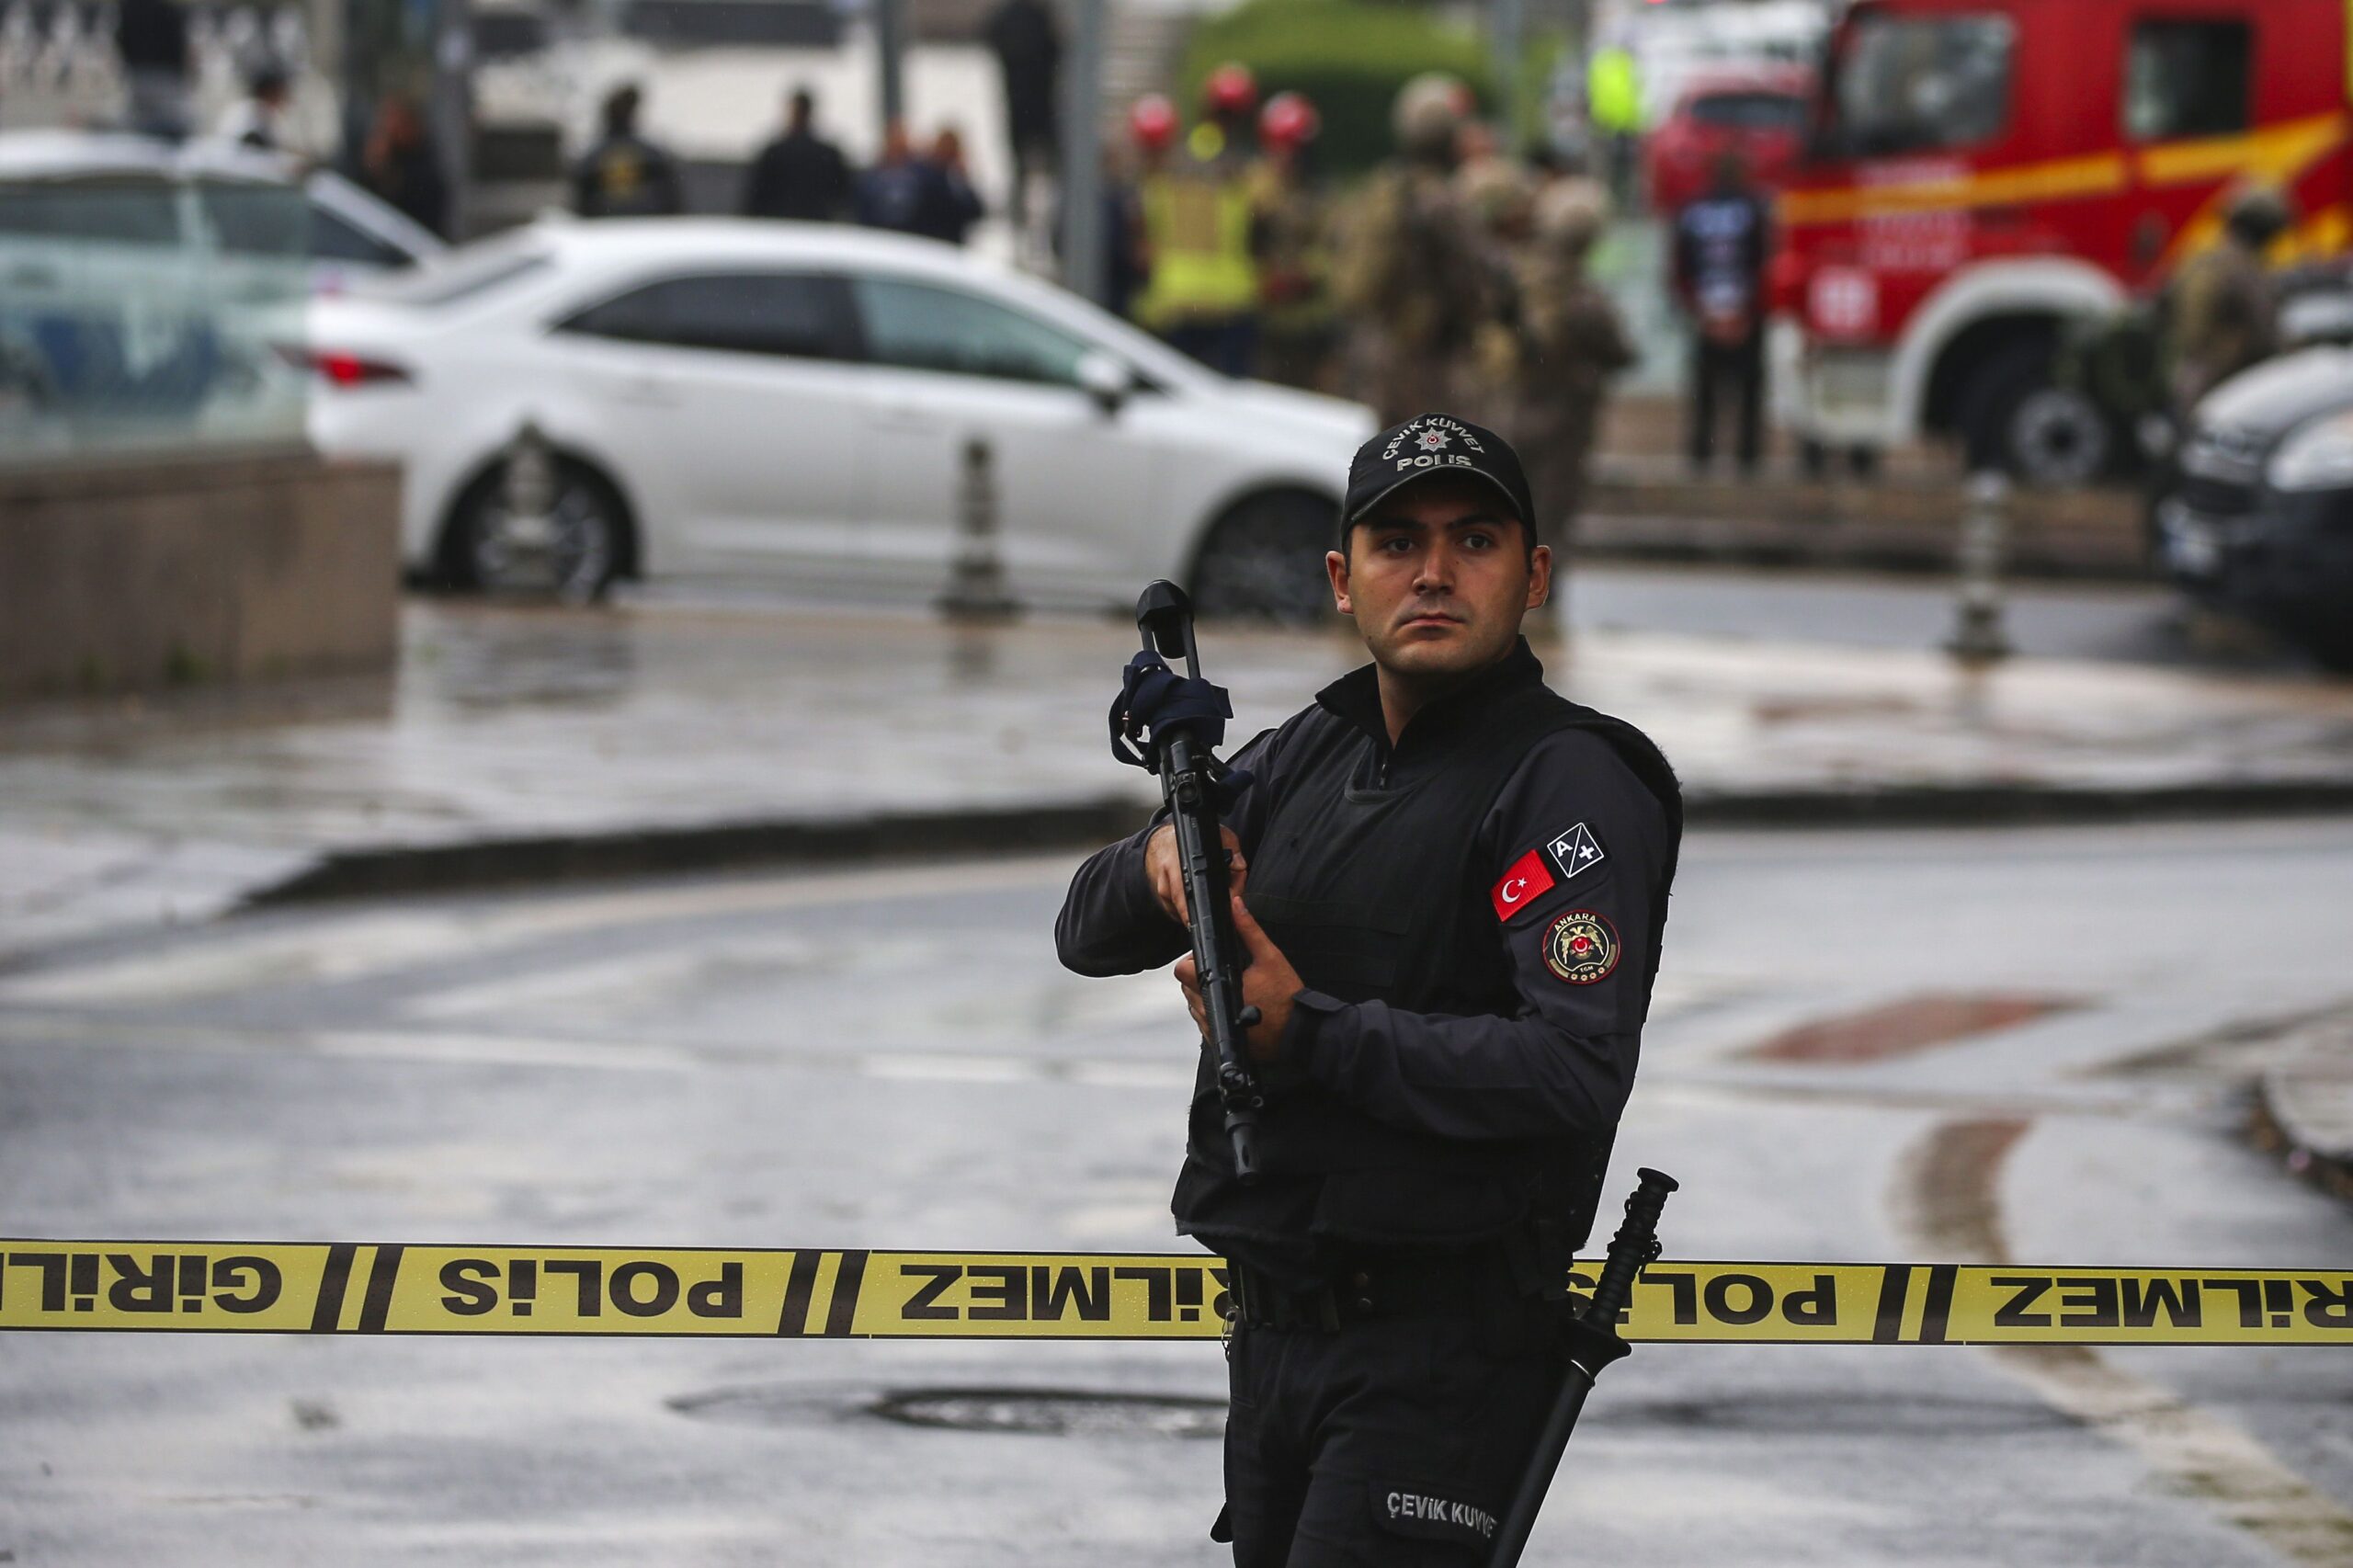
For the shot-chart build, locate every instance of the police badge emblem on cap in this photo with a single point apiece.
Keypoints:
(1431, 444)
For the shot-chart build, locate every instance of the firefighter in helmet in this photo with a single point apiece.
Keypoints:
(1202, 234)
(1300, 327)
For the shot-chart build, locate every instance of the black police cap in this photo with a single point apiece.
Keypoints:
(1424, 447)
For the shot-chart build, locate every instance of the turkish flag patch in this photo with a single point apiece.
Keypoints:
(1521, 886)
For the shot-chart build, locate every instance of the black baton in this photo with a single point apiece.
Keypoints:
(1593, 1344)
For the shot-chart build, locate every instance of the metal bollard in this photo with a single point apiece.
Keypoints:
(1978, 634)
(528, 487)
(976, 588)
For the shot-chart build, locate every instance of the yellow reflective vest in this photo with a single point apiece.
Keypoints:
(1198, 221)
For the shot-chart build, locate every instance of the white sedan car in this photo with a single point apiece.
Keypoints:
(731, 397)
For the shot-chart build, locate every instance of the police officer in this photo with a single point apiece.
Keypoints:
(1722, 245)
(625, 175)
(1451, 884)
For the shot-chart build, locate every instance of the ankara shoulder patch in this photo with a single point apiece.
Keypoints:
(1581, 947)
(1576, 851)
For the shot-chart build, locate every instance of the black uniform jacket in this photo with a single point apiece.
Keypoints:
(1475, 913)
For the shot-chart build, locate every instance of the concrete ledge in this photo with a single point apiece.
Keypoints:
(397, 868)
(1639, 511)
(131, 574)
(373, 873)
(2304, 1107)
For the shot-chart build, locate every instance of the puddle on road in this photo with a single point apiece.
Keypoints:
(1840, 1415)
(1903, 1028)
(1091, 1414)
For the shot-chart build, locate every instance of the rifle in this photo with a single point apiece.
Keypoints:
(1191, 774)
(1592, 1344)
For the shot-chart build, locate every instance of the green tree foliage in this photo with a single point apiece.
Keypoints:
(1350, 56)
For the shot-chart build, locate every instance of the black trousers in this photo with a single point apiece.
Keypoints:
(1396, 1443)
(1734, 371)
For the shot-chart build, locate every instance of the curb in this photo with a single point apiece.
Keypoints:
(390, 870)
(2302, 1110)
(498, 862)
(2069, 556)
(2332, 1172)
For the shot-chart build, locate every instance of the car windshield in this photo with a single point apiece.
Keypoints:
(1922, 83)
(1750, 110)
(467, 274)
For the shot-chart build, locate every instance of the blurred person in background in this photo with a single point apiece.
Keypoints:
(150, 40)
(1722, 245)
(1152, 131)
(1613, 94)
(1498, 193)
(1569, 341)
(2221, 308)
(897, 193)
(800, 174)
(625, 175)
(1409, 274)
(1028, 50)
(1298, 326)
(256, 120)
(397, 162)
(950, 204)
(1202, 237)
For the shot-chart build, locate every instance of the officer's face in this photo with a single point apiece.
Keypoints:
(1438, 578)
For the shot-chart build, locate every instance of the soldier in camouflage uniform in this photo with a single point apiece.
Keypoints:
(1570, 342)
(1499, 193)
(2221, 308)
(1410, 276)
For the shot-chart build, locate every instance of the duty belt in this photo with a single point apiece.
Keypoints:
(1370, 1286)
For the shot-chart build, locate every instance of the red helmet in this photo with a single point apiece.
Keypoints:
(1230, 90)
(1288, 121)
(1153, 122)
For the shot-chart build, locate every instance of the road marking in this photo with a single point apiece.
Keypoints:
(1948, 1205)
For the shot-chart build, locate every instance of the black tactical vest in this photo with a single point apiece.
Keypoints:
(1362, 877)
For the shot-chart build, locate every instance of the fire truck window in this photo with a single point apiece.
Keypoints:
(2189, 79)
(1918, 83)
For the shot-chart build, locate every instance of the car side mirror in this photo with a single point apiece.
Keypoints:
(1106, 380)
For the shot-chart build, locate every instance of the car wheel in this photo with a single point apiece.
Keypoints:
(2017, 419)
(1264, 560)
(572, 553)
(26, 388)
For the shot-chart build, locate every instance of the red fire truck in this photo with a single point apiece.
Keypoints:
(1983, 170)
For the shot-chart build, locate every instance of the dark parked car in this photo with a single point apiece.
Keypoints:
(2258, 518)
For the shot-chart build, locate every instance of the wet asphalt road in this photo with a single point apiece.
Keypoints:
(891, 1057)
(2138, 623)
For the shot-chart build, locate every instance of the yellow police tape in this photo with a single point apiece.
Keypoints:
(346, 1288)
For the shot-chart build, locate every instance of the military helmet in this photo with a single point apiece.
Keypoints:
(2258, 213)
(1498, 189)
(1572, 212)
(1430, 110)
